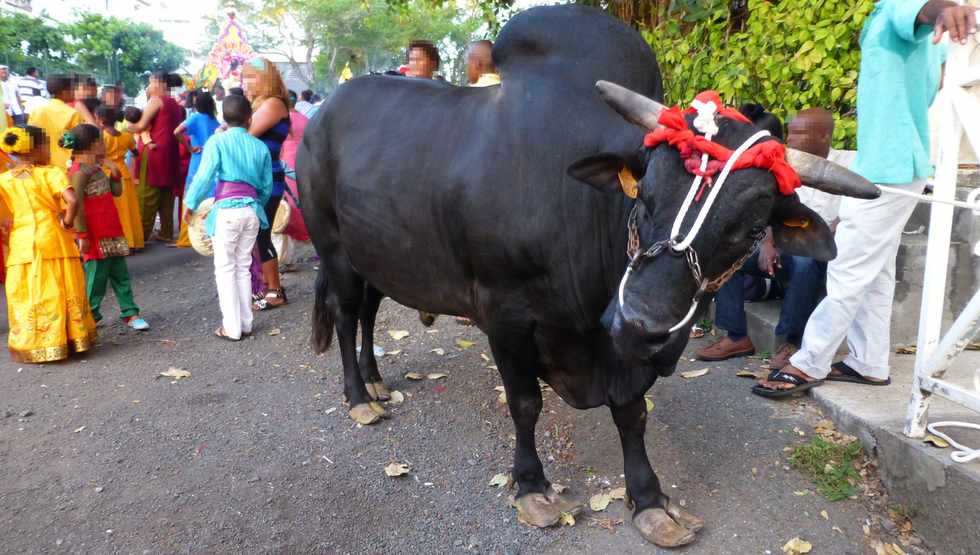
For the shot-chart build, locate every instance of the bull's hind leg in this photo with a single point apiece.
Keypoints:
(346, 295)
(657, 518)
(537, 503)
(368, 363)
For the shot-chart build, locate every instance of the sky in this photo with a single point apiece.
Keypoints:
(181, 21)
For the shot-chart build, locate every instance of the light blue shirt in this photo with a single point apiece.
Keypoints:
(899, 79)
(232, 156)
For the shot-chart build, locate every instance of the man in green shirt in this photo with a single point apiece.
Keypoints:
(900, 72)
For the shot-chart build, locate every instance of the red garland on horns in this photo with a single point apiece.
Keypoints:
(769, 155)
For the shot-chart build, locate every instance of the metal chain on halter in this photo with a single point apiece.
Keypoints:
(693, 261)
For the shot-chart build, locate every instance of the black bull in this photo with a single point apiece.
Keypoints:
(457, 201)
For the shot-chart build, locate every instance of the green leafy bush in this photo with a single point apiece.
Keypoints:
(789, 55)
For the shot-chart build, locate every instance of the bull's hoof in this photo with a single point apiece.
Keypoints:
(378, 391)
(427, 318)
(366, 413)
(542, 511)
(658, 528)
(692, 522)
(378, 409)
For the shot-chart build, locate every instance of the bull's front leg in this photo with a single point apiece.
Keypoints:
(657, 518)
(538, 504)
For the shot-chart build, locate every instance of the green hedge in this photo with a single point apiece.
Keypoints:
(790, 55)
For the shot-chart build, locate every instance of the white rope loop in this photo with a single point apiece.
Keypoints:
(715, 190)
(963, 454)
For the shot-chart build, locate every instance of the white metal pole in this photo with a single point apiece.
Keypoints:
(937, 252)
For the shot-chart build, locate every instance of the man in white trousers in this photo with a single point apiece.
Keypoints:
(243, 169)
(900, 73)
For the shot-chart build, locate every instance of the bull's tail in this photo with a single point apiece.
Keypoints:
(323, 317)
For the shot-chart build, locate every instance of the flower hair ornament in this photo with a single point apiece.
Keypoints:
(68, 141)
(17, 140)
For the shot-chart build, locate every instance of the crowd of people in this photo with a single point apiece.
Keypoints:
(89, 181)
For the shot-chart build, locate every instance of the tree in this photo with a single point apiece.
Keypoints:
(125, 51)
(30, 41)
(319, 37)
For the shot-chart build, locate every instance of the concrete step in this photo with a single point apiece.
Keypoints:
(940, 494)
(762, 319)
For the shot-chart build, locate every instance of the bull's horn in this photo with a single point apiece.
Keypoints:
(635, 107)
(829, 177)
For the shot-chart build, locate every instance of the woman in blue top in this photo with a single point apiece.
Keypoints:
(270, 124)
(199, 127)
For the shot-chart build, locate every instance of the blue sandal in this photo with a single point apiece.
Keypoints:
(799, 385)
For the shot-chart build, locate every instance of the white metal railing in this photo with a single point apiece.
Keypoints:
(959, 114)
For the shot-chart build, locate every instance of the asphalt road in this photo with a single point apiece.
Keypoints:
(254, 452)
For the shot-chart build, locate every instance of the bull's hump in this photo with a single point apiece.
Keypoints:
(578, 45)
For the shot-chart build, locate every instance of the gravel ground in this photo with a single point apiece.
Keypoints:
(254, 452)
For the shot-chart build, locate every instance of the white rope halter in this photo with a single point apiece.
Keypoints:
(706, 124)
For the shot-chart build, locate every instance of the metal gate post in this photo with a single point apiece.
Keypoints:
(937, 253)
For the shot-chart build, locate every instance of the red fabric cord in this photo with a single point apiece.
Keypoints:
(770, 155)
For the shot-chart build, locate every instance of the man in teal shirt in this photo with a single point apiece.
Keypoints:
(900, 72)
(243, 169)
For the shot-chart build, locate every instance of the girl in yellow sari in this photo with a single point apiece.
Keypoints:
(47, 307)
(117, 144)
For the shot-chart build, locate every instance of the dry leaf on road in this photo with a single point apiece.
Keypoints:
(393, 353)
(501, 480)
(464, 343)
(566, 519)
(397, 398)
(649, 404)
(910, 350)
(617, 493)
(485, 357)
(887, 549)
(695, 373)
(436, 376)
(175, 373)
(751, 374)
(78, 430)
(275, 331)
(398, 334)
(824, 514)
(796, 546)
(396, 469)
(414, 376)
(439, 351)
(599, 502)
(936, 441)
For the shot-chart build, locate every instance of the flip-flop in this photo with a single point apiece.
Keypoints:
(799, 384)
(850, 375)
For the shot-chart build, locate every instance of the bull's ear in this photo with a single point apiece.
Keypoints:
(799, 231)
(607, 172)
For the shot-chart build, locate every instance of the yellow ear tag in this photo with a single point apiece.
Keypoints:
(801, 223)
(628, 182)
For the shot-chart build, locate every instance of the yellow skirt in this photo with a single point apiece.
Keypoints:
(48, 310)
(183, 240)
(128, 206)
